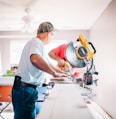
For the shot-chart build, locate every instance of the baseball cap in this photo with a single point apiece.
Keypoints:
(45, 27)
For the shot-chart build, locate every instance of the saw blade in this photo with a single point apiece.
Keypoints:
(71, 57)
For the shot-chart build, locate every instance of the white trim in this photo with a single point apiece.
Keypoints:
(97, 110)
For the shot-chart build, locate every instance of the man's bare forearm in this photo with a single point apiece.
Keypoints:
(53, 56)
(39, 62)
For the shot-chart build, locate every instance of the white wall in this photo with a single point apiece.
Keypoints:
(0, 57)
(103, 36)
(71, 35)
(5, 55)
(6, 37)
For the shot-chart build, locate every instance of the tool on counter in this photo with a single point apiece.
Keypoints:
(80, 54)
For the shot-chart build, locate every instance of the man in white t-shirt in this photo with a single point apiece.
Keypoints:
(30, 74)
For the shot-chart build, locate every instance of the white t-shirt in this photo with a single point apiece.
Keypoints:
(28, 72)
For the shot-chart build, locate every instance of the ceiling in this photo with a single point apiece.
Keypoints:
(64, 14)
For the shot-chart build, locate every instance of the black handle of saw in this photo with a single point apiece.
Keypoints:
(92, 47)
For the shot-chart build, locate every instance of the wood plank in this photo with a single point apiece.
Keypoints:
(65, 102)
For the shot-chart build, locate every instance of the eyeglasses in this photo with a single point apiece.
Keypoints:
(52, 33)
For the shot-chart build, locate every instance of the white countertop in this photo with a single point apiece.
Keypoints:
(7, 80)
(65, 102)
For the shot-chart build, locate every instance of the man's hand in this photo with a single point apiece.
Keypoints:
(61, 63)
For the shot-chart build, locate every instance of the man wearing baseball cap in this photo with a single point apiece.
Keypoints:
(30, 74)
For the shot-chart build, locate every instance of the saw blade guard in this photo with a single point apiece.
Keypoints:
(71, 57)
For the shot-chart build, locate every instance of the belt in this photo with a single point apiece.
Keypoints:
(28, 85)
(18, 83)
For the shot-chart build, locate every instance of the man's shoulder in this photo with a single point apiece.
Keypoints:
(36, 41)
(63, 46)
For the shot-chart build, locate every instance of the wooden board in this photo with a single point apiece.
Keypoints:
(58, 78)
(65, 102)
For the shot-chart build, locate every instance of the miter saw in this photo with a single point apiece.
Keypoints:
(80, 54)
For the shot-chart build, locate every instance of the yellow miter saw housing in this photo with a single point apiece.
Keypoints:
(86, 48)
(80, 52)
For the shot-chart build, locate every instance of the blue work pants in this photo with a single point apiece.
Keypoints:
(23, 101)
